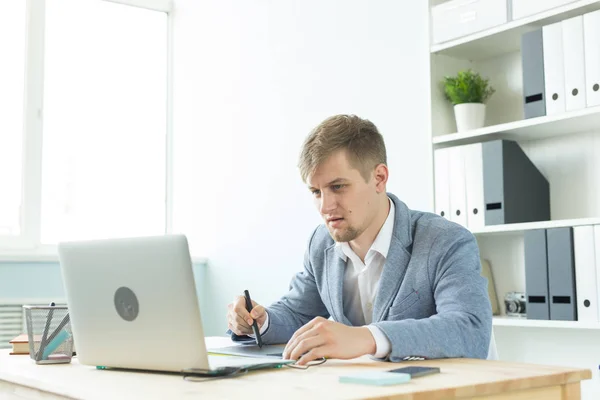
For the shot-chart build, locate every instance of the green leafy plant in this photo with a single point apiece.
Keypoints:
(467, 87)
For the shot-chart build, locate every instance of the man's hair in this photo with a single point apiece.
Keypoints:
(360, 137)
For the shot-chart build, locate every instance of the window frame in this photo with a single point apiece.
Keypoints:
(27, 246)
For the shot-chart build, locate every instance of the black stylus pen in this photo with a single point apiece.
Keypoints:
(254, 324)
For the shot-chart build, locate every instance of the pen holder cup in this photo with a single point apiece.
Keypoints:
(49, 334)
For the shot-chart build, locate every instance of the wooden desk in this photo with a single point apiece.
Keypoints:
(21, 378)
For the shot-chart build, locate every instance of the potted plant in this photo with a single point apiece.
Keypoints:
(468, 92)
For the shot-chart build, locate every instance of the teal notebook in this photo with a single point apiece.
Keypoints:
(376, 378)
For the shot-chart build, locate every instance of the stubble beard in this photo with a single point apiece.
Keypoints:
(345, 235)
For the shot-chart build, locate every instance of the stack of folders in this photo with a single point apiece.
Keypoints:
(489, 183)
(561, 277)
(561, 66)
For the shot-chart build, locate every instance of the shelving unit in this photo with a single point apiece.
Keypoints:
(568, 123)
(566, 150)
(519, 229)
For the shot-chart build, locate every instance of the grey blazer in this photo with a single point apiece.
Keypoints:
(432, 301)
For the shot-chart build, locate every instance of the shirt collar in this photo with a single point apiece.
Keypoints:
(382, 242)
(384, 237)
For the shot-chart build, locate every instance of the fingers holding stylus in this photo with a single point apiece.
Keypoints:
(239, 308)
(240, 320)
(239, 323)
(259, 314)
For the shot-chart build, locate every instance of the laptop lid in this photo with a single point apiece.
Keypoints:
(133, 303)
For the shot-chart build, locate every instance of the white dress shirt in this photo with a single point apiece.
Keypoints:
(361, 281)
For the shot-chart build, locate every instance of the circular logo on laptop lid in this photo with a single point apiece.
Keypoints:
(126, 304)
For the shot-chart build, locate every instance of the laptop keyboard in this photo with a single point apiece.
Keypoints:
(275, 351)
(218, 362)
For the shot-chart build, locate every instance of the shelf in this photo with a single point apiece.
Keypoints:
(586, 119)
(506, 38)
(518, 229)
(533, 323)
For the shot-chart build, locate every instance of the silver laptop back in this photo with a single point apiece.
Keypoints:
(133, 303)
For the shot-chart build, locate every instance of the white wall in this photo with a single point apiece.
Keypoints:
(251, 80)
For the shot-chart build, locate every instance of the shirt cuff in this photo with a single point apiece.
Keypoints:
(263, 328)
(383, 346)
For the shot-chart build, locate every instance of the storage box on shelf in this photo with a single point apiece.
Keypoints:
(458, 18)
(506, 37)
(525, 8)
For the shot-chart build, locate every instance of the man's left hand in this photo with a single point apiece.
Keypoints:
(324, 338)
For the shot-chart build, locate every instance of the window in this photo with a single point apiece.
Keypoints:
(105, 91)
(12, 74)
(104, 134)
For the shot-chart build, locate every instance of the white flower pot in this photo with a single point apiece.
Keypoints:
(469, 116)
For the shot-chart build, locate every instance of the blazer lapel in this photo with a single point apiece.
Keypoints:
(335, 267)
(391, 278)
(397, 259)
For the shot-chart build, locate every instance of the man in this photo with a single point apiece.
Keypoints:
(397, 283)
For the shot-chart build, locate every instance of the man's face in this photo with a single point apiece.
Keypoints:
(346, 202)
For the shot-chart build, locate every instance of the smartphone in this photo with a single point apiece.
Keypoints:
(415, 372)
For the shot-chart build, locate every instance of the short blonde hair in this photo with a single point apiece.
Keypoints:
(360, 137)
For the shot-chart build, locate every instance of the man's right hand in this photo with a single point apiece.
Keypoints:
(239, 320)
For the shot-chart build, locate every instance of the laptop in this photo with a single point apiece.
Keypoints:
(133, 304)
